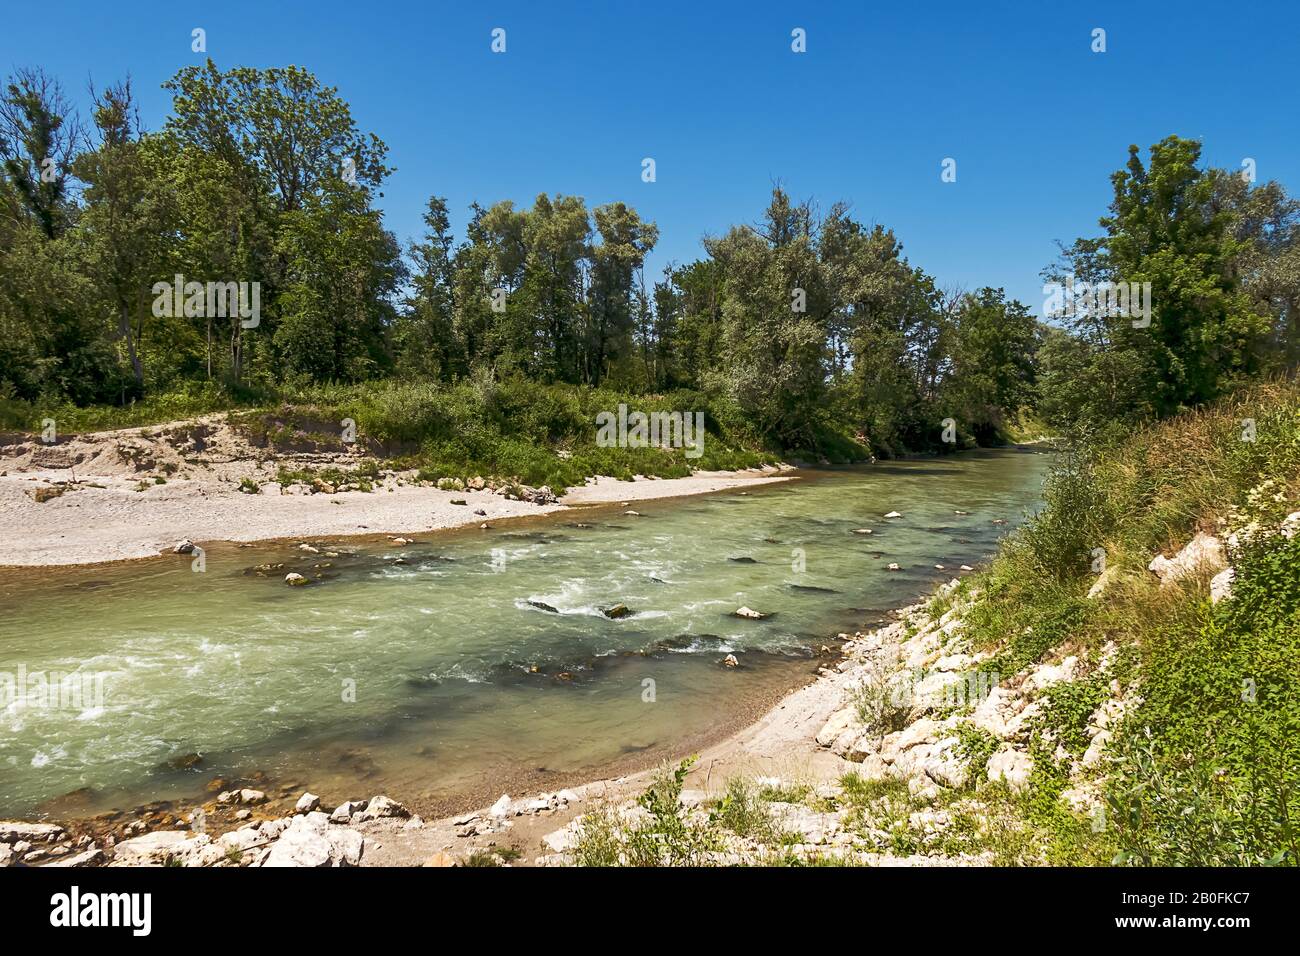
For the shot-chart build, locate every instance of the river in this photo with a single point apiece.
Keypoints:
(424, 671)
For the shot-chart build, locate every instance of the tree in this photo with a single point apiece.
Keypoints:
(613, 303)
(1168, 227)
(39, 138)
(125, 225)
(426, 341)
(298, 133)
(993, 348)
(342, 270)
(774, 310)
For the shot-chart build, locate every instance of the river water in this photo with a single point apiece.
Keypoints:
(424, 671)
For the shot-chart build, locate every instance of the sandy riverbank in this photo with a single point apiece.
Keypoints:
(134, 493)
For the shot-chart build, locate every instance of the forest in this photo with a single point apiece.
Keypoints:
(806, 330)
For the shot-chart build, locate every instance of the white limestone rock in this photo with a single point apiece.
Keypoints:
(1013, 766)
(1203, 552)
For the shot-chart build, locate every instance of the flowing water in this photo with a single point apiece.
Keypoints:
(424, 671)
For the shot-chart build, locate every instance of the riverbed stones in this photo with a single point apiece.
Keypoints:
(893, 514)
(345, 811)
(310, 841)
(748, 613)
(185, 546)
(92, 856)
(158, 848)
(382, 807)
(294, 579)
(16, 831)
(306, 803)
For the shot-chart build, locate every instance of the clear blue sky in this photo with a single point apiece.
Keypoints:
(712, 91)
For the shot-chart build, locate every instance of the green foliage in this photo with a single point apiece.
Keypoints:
(1218, 782)
(976, 746)
(873, 700)
(1065, 709)
(1221, 307)
(743, 811)
(664, 837)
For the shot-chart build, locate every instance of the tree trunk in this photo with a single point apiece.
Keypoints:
(124, 329)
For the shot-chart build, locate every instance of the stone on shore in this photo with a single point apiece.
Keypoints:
(382, 807)
(158, 848)
(1013, 766)
(15, 831)
(1221, 585)
(310, 841)
(306, 803)
(347, 810)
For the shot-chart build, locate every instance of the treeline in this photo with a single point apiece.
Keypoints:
(1222, 257)
(808, 325)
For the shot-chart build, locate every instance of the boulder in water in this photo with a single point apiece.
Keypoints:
(617, 611)
(295, 579)
(748, 613)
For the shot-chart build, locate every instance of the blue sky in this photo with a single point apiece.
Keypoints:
(712, 91)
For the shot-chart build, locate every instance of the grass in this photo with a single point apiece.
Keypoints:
(513, 429)
(1200, 774)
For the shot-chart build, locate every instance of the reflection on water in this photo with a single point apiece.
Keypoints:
(430, 669)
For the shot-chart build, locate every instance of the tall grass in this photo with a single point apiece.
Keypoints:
(1208, 765)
